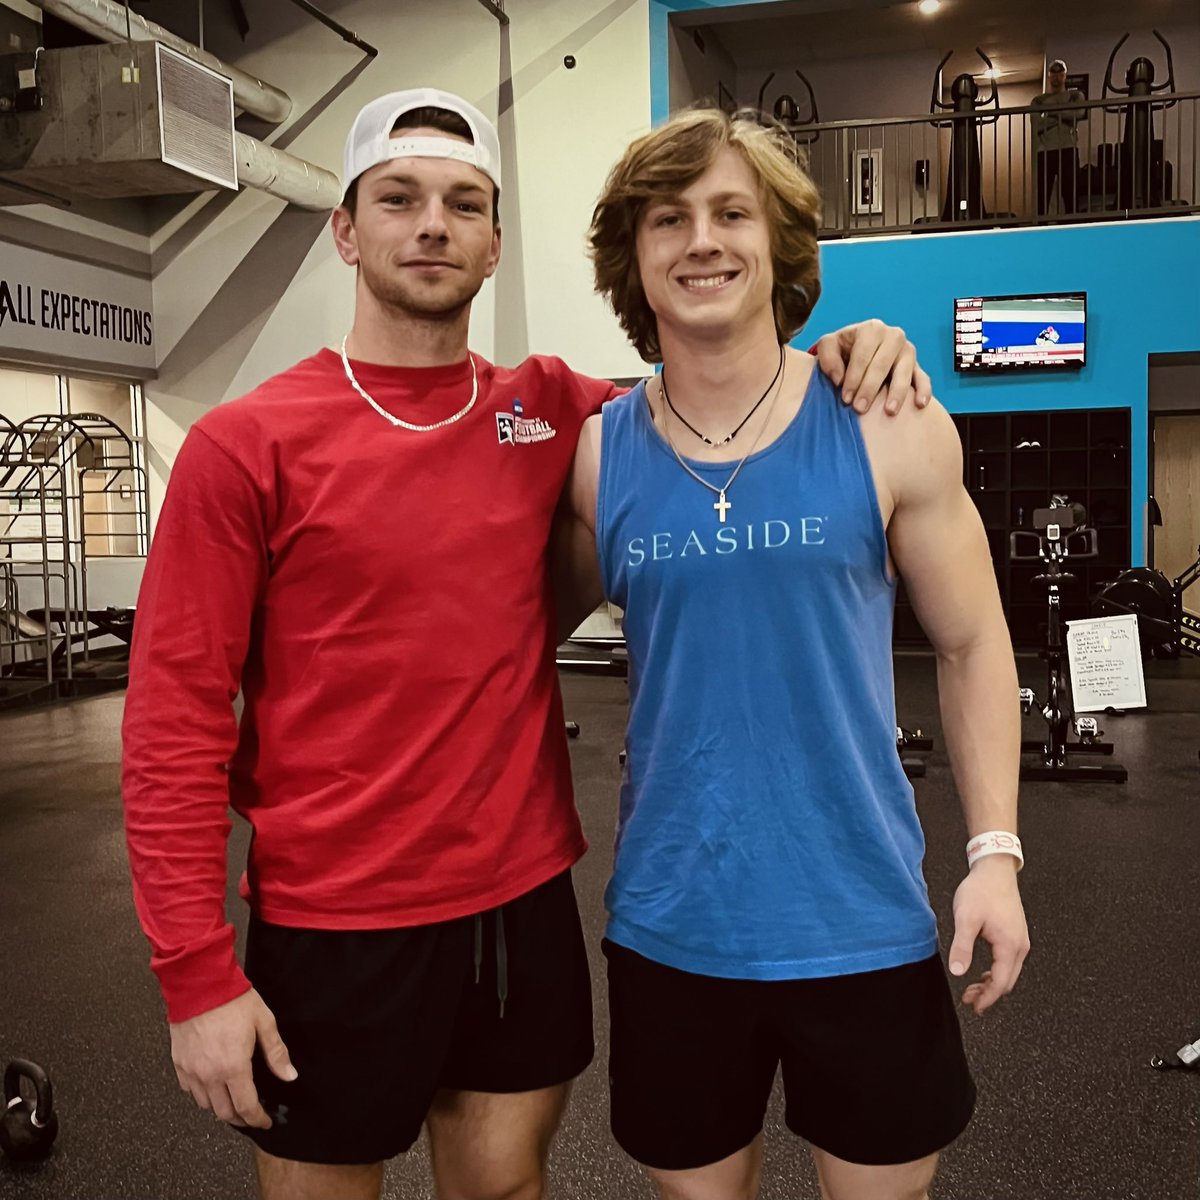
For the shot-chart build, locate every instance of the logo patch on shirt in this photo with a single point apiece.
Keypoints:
(518, 430)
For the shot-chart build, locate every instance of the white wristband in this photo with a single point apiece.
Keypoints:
(995, 842)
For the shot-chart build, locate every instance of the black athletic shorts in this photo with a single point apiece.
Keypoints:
(377, 1021)
(873, 1064)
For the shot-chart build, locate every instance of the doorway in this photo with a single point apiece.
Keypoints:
(1175, 484)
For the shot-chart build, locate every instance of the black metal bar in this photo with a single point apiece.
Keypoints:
(239, 16)
(346, 34)
(496, 11)
(927, 119)
(1195, 151)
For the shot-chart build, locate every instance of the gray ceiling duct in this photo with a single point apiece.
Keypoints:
(286, 176)
(140, 120)
(114, 23)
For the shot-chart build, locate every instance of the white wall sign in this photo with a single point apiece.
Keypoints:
(1106, 664)
(56, 307)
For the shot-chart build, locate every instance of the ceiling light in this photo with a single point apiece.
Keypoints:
(992, 73)
(929, 7)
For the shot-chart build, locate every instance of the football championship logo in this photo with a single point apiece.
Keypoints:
(516, 429)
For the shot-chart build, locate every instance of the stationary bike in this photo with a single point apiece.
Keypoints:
(1059, 532)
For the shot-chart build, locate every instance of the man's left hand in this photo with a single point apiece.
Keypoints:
(872, 361)
(988, 904)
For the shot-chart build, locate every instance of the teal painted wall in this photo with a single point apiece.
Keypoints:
(1142, 280)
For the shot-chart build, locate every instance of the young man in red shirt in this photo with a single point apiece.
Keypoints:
(360, 547)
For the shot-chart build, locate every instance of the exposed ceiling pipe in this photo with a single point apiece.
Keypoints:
(286, 176)
(496, 8)
(107, 21)
(258, 165)
(347, 35)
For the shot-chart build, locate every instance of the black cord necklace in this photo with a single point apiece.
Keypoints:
(724, 441)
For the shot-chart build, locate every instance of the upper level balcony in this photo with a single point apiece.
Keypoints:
(1107, 160)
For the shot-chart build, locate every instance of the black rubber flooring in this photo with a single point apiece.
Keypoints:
(1069, 1107)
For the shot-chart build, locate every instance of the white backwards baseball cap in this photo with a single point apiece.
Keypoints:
(370, 141)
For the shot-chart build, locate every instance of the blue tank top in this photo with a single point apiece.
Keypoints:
(766, 827)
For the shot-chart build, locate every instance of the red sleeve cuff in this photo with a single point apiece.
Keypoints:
(203, 977)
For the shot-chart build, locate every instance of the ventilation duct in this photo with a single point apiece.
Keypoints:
(126, 120)
(120, 121)
(114, 23)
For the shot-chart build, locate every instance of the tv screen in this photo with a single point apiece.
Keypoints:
(1012, 333)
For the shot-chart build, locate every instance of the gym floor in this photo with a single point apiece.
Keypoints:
(1069, 1108)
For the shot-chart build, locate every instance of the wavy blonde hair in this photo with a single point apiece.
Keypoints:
(668, 160)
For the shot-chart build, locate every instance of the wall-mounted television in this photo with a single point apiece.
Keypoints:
(1045, 331)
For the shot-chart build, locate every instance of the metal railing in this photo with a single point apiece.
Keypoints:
(1131, 157)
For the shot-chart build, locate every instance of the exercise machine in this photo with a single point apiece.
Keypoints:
(1165, 629)
(964, 187)
(592, 656)
(908, 741)
(1060, 532)
(1141, 172)
(787, 112)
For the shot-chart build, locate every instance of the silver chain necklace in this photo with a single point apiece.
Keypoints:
(387, 416)
(721, 504)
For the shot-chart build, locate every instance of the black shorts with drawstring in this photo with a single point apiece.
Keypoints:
(376, 1021)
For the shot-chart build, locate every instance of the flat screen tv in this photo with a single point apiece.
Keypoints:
(1017, 333)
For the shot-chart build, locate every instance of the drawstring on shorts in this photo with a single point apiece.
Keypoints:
(501, 955)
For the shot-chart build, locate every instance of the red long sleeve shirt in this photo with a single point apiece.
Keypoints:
(381, 598)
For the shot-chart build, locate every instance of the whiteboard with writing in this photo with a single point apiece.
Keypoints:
(1106, 664)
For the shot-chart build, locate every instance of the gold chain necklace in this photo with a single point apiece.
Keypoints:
(387, 416)
(721, 504)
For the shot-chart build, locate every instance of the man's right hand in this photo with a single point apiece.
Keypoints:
(212, 1055)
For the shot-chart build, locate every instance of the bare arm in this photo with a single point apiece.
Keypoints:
(940, 550)
(574, 572)
(574, 564)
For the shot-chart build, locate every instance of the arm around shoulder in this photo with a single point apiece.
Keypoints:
(583, 484)
(574, 567)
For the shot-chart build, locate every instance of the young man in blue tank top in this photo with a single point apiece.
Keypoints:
(767, 904)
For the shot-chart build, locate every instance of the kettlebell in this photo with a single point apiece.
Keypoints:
(27, 1131)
